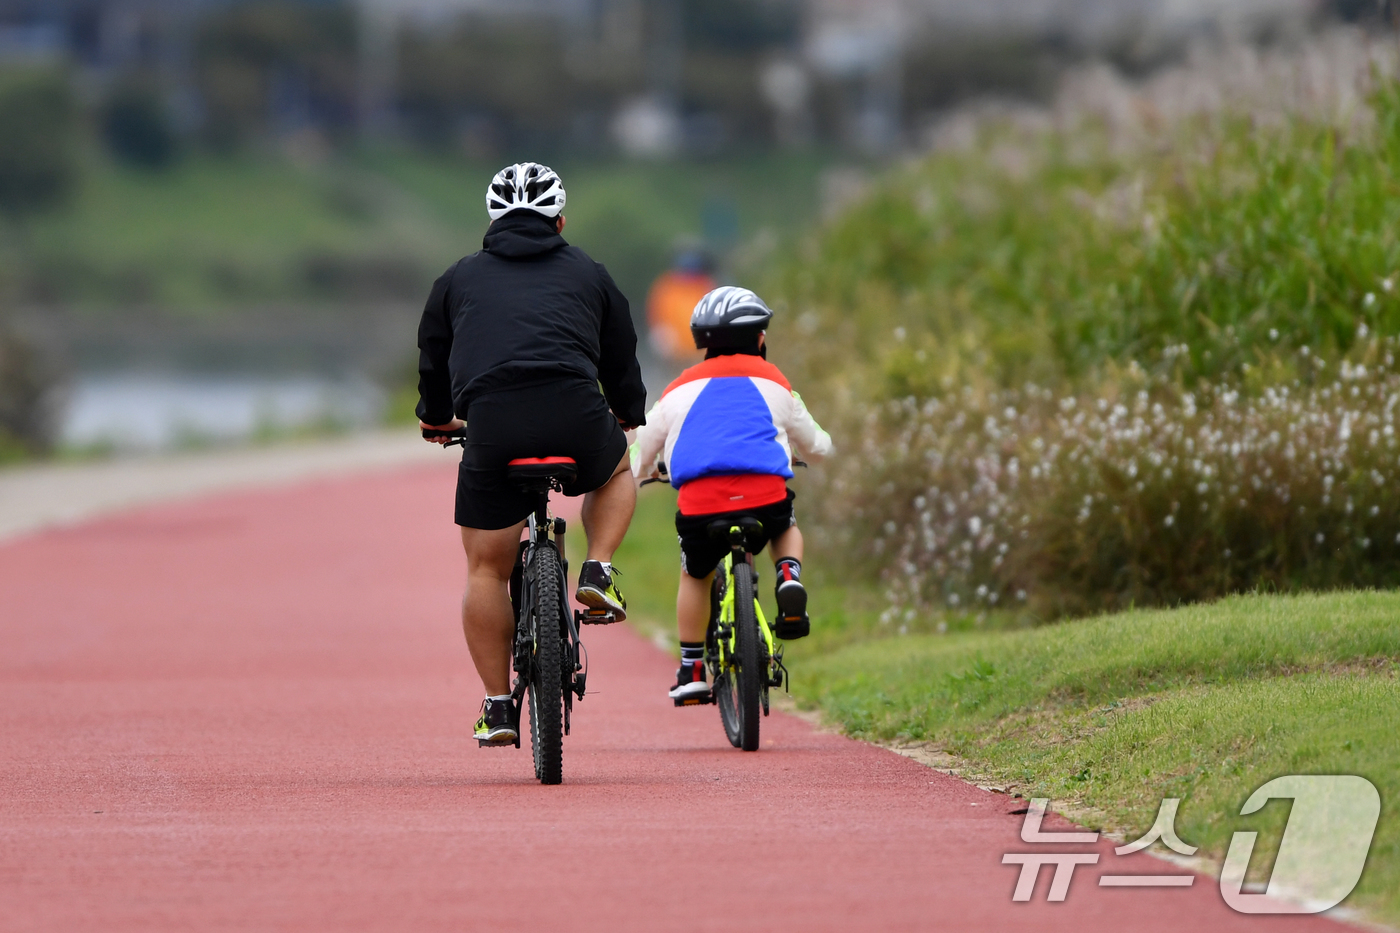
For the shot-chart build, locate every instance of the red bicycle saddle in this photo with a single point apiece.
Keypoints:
(534, 469)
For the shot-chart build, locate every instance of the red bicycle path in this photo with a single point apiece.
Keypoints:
(253, 712)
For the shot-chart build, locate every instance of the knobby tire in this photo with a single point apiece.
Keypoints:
(741, 694)
(546, 680)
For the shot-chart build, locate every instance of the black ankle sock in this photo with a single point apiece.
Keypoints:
(692, 651)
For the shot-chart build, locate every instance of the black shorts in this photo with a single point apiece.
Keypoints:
(568, 418)
(700, 554)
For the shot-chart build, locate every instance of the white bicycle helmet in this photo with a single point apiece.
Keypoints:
(727, 317)
(527, 185)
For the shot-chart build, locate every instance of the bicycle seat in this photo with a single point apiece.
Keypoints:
(540, 473)
(751, 528)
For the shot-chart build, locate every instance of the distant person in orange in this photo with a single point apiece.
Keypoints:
(672, 298)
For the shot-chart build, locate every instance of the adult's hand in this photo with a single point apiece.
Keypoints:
(456, 424)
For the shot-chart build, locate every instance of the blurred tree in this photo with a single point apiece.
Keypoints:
(741, 26)
(500, 79)
(726, 44)
(37, 134)
(136, 125)
(27, 388)
(276, 66)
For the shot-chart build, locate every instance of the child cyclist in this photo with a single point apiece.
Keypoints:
(729, 428)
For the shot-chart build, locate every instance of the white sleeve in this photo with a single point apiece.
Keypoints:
(651, 438)
(809, 442)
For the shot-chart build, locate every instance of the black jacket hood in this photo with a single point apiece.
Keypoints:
(522, 235)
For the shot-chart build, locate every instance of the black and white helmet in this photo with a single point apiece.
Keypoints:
(729, 316)
(527, 185)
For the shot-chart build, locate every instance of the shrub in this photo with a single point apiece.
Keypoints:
(137, 127)
(1046, 504)
(27, 393)
(1043, 245)
(37, 127)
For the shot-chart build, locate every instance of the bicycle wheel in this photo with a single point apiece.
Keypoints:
(740, 693)
(546, 678)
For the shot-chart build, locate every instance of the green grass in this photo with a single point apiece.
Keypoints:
(214, 233)
(1114, 713)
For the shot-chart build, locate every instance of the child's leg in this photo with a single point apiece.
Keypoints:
(692, 618)
(787, 544)
(693, 608)
(792, 621)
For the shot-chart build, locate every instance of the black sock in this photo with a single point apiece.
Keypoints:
(692, 651)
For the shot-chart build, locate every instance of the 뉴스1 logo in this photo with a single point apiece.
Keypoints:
(1320, 857)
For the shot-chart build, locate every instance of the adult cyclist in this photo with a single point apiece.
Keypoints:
(515, 342)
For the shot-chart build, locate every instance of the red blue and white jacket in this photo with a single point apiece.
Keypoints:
(728, 428)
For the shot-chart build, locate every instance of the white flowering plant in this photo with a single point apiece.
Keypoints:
(1041, 504)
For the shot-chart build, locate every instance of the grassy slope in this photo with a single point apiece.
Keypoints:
(227, 231)
(1204, 703)
(222, 232)
(628, 215)
(1046, 257)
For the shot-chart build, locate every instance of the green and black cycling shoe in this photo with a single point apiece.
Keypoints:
(792, 621)
(597, 589)
(497, 725)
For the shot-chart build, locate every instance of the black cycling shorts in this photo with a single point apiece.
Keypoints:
(567, 418)
(700, 554)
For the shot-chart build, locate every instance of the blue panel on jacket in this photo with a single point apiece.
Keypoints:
(728, 430)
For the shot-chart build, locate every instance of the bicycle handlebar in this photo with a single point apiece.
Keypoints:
(459, 436)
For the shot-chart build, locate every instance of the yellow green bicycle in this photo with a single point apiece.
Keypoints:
(741, 653)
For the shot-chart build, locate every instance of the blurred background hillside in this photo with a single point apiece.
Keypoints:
(218, 218)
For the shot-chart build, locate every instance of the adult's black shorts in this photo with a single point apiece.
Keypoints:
(700, 554)
(567, 418)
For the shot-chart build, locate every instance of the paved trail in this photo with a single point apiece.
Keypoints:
(252, 712)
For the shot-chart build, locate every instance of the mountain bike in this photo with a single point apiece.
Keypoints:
(741, 653)
(550, 662)
(743, 657)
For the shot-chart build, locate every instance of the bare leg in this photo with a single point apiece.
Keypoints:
(487, 619)
(607, 511)
(787, 544)
(693, 607)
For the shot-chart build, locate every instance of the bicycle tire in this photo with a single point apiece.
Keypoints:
(726, 684)
(546, 677)
(747, 686)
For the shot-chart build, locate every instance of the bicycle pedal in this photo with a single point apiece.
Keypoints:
(595, 617)
(487, 743)
(694, 701)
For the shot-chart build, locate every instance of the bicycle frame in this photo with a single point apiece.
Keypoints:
(725, 637)
(540, 526)
(724, 627)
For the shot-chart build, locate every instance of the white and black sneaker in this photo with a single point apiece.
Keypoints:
(791, 595)
(690, 685)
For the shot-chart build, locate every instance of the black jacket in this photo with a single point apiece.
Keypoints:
(527, 309)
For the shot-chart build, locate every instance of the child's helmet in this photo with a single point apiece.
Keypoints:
(729, 317)
(527, 185)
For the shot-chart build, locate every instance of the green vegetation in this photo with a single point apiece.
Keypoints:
(1075, 369)
(215, 232)
(38, 143)
(1114, 713)
(1045, 255)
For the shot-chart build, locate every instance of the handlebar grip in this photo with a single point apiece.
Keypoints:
(458, 436)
